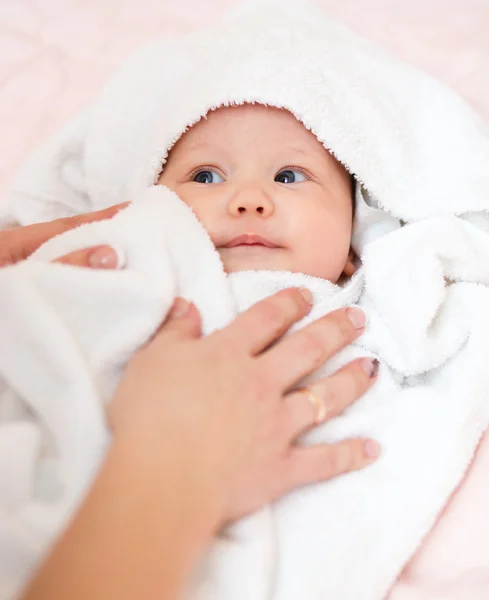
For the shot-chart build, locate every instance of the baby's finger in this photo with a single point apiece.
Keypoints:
(99, 257)
(322, 462)
(327, 397)
(266, 321)
(302, 352)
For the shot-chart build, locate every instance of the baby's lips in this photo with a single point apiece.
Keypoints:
(250, 239)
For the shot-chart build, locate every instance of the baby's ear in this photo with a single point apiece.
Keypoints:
(350, 268)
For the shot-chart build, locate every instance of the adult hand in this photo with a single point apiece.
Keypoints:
(224, 401)
(204, 431)
(18, 243)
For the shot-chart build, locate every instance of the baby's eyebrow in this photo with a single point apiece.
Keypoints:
(202, 145)
(298, 150)
(308, 152)
(195, 146)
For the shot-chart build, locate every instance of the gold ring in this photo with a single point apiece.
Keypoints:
(318, 403)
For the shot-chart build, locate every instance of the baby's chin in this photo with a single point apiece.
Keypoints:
(254, 258)
(260, 258)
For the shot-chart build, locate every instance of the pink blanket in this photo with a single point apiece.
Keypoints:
(56, 54)
(453, 563)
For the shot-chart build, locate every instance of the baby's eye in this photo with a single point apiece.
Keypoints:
(290, 176)
(207, 176)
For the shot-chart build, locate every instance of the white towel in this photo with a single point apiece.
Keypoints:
(422, 157)
(418, 148)
(347, 539)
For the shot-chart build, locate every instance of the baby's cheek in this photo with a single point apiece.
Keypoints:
(325, 257)
(204, 216)
(198, 208)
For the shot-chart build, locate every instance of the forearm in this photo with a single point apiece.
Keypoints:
(137, 534)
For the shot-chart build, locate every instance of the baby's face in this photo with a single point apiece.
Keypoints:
(268, 193)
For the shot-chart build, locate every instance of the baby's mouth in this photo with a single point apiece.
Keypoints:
(249, 239)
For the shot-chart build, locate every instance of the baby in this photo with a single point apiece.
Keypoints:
(278, 86)
(266, 190)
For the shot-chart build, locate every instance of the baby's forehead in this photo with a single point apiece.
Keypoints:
(250, 113)
(250, 122)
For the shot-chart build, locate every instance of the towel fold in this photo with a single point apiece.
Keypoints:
(346, 539)
(417, 147)
(420, 157)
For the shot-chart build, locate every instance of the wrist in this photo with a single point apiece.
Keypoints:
(168, 468)
(137, 534)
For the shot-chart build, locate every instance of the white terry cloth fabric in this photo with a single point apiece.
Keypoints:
(66, 335)
(347, 539)
(418, 148)
(421, 155)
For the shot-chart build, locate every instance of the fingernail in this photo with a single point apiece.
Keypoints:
(371, 449)
(307, 295)
(370, 366)
(180, 308)
(106, 257)
(357, 317)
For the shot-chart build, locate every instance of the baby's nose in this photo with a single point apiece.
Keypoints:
(251, 202)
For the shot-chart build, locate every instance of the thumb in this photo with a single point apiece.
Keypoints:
(182, 322)
(98, 257)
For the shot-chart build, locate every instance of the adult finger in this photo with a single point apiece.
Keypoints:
(45, 231)
(183, 322)
(21, 242)
(327, 398)
(323, 462)
(98, 215)
(266, 321)
(302, 352)
(98, 257)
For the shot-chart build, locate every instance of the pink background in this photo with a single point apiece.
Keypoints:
(56, 54)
